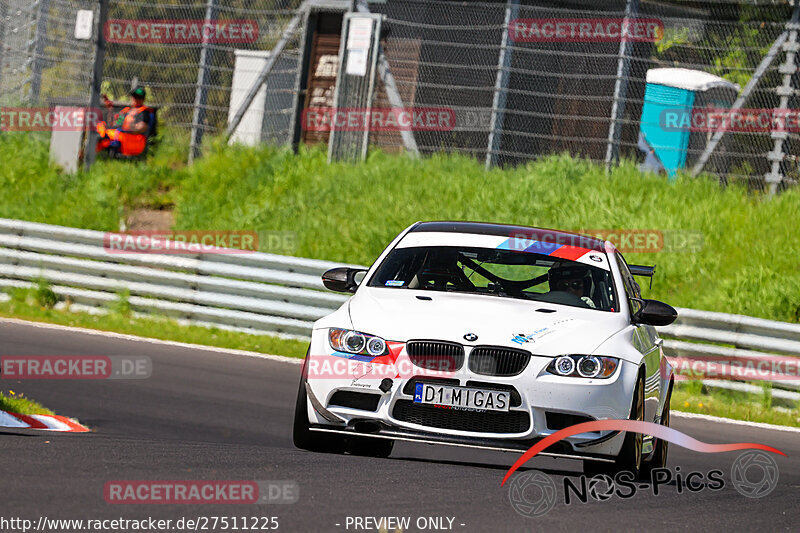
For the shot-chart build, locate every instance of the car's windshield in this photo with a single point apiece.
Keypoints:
(505, 273)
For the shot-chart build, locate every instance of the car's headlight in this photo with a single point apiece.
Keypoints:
(583, 366)
(355, 342)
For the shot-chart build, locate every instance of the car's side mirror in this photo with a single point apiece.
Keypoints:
(341, 279)
(654, 313)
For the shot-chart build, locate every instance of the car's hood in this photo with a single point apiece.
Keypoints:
(400, 315)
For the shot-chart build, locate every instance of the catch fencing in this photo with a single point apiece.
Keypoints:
(274, 294)
(518, 90)
(189, 80)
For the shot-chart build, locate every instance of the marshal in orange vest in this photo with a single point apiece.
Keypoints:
(128, 137)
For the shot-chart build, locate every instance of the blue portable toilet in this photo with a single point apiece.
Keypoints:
(674, 93)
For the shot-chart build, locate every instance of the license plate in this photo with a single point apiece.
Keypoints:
(480, 399)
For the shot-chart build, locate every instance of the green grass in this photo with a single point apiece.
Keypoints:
(33, 189)
(693, 397)
(24, 304)
(749, 263)
(16, 402)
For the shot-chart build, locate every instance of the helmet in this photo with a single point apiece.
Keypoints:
(559, 274)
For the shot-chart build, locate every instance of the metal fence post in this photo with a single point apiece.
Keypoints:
(757, 75)
(201, 91)
(268, 66)
(500, 87)
(89, 154)
(620, 90)
(300, 80)
(354, 91)
(42, 14)
(392, 93)
(789, 70)
(3, 14)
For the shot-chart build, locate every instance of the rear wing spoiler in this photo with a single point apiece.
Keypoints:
(646, 271)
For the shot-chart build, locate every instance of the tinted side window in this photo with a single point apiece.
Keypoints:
(631, 287)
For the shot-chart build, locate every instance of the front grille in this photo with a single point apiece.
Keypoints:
(498, 361)
(436, 355)
(355, 400)
(479, 422)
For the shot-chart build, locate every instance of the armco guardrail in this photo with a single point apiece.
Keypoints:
(267, 293)
(740, 341)
(255, 291)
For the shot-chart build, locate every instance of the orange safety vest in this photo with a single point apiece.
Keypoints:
(130, 143)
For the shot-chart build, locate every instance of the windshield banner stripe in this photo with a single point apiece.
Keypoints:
(562, 251)
(570, 252)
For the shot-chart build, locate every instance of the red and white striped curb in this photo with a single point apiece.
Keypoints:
(46, 422)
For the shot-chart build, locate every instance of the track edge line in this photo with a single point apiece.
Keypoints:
(733, 421)
(137, 338)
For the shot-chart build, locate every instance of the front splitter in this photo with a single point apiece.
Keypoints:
(452, 440)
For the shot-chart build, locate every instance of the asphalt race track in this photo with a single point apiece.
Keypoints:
(219, 416)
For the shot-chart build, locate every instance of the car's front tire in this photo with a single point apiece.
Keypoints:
(630, 456)
(305, 439)
(659, 457)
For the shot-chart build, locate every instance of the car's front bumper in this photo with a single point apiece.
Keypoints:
(562, 449)
(546, 401)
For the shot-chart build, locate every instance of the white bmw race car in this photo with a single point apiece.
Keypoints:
(488, 336)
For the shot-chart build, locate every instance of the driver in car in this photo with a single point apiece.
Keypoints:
(573, 279)
(440, 271)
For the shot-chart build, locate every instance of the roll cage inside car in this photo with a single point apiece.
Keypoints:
(497, 272)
